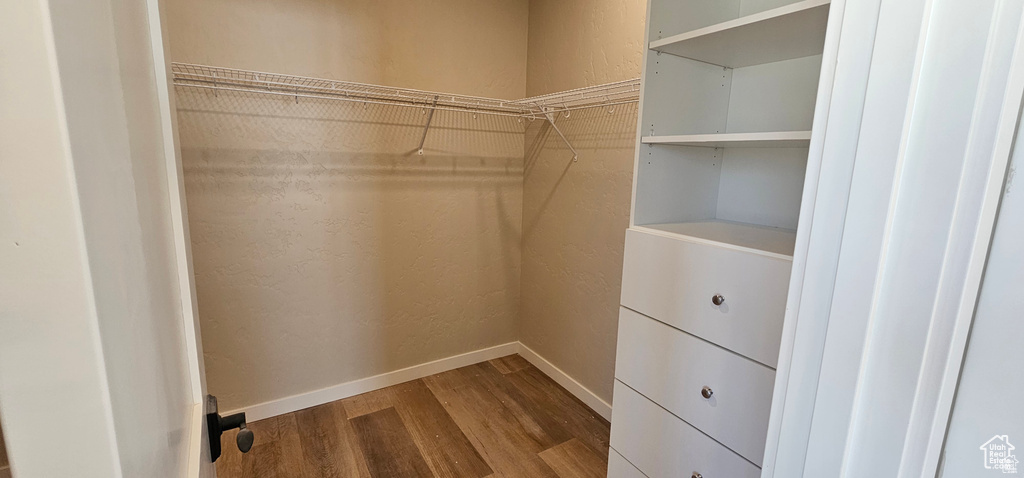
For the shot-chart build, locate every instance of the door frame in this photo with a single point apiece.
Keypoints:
(53, 367)
(200, 464)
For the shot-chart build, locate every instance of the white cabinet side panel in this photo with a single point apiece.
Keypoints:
(684, 96)
(762, 185)
(774, 96)
(676, 184)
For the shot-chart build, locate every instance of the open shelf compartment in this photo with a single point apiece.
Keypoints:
(773, 241)
(728, 104)
(767, 103)
(741, 198)
(790, 31)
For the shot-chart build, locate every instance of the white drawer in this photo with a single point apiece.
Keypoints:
(618, 467)
(672, 368)
(661, 445)
(674, 281)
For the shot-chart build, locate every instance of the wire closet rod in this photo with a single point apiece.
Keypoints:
(545, 107)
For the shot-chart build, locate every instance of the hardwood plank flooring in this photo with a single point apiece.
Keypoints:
(502, 418)
(388, 446)
(546, 430)
(447, 450)
(576, 417)
(370, 402)
(509, 448)
(3, 451)
(267, 460)
(510, 364)
(330, 447)
(573, 459)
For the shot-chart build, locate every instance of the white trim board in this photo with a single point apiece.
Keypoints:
(301, 401)
(196, 455)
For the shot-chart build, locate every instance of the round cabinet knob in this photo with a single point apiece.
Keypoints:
(696, 475)
(706, 392)
(718, 299)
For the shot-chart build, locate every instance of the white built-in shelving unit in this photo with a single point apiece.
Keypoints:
(728, 100)
(726, 107)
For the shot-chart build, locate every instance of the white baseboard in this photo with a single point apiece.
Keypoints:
(600, 406)
(350, 389)
(301, 401)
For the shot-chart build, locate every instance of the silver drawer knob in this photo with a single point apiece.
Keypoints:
(706, 392)
(718, 299)
(696, 475)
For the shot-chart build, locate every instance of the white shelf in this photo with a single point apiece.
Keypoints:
(776, 139)
(770, 241)
(791, 31)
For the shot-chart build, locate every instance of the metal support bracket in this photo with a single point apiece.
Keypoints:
(551, 119)
(426, 127)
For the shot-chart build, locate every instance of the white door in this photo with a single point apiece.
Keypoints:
(919, 128)
(100, 369)
(987, 411)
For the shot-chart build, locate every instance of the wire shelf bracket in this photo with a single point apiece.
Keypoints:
(426, 127)
(550, 116)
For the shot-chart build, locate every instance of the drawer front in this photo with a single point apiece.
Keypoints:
(618, 467)
(672, 368)
(675, 281)
(661, 445)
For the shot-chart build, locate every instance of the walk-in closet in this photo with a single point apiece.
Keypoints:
(349, 235)
(406, 227)
(509, 238)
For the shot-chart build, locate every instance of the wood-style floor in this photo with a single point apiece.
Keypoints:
(502, 418)
(5, 470)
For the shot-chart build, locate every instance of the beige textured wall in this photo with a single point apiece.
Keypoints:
(575, 214)
(472, 47)
(576, 43)
(325, 249)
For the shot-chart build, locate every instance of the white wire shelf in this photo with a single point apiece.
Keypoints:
(188, 75)
(230, 79)
(605, 95)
